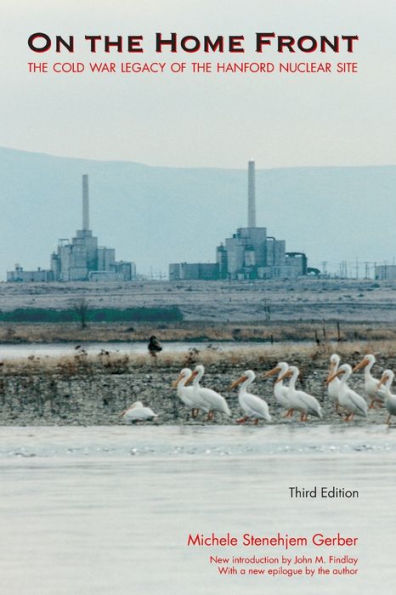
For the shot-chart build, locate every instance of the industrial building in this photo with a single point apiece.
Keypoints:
(199, 270)
(80, 259)
(39, 276)
(385, 272)
(249, 254)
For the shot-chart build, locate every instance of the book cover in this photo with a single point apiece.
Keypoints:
(196, 387)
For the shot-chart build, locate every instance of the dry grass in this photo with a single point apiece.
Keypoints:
(196, 332)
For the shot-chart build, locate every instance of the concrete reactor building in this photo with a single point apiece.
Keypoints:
(81, 259)
(249, 254)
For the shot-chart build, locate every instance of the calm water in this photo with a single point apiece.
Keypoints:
(60, 349)
(107, 510)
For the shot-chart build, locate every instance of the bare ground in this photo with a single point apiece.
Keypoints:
(84, 390)
(221, 301)
(305, 310)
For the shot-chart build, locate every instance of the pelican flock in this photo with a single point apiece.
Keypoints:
(287, 396)
(371, 384)
(187, 394)
(299, 399)
(333, 381)
(347, 398)
(281, 391)
(252, 406)
(210, 399)
(390, 399)
(137, 412)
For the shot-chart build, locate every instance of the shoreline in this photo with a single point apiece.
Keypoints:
(94, 390)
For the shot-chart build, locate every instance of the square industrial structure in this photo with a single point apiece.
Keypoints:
(81, 259)
(249, 254)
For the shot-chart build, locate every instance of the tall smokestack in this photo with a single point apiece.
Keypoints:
(85, 203)
(251, 195)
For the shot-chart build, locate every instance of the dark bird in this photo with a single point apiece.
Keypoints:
(154, 346)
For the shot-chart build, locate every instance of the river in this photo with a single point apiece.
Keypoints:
(9, 351)
(108, 510)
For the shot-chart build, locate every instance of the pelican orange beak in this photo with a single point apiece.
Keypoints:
(361, 365)
(191, 378)
(237, 382)
(176, 382)
(331, 377)
(331, 373)
(272, 372)
(287, 374)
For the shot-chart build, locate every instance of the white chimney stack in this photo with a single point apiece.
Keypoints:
(251, 195)
(85, 203)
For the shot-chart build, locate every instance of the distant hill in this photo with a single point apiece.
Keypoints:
(158, 215)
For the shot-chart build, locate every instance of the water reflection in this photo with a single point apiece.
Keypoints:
(9, 352)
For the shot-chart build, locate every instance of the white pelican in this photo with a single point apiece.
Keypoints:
(298, 399)
(212, 399)
(187, 394)
(370, 383)
(137, 412)
(390, 399)
(251, 405)
(281, 391)
(334, 386)
(348, 398)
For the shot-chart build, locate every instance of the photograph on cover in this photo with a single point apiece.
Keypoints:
(197, 297)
